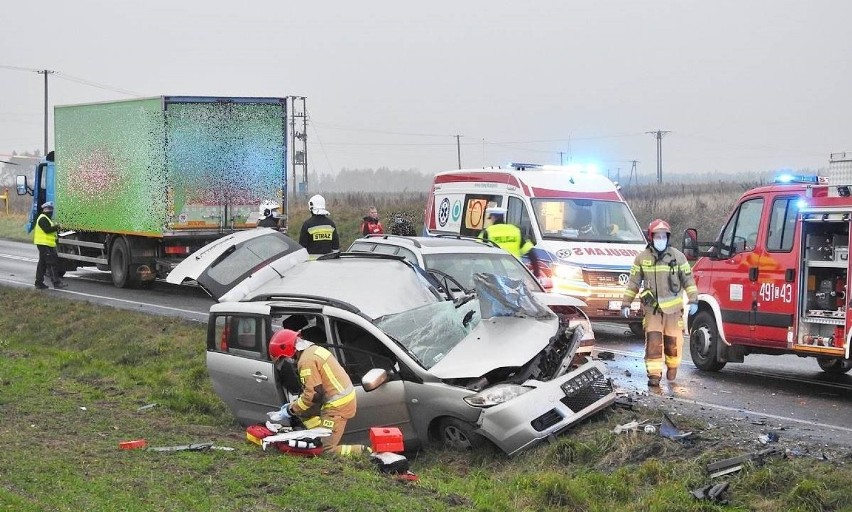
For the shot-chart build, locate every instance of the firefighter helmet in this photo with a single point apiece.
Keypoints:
(317, 205)
(659, 225)
(283, 344)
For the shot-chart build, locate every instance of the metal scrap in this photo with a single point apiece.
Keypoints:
(714, 493)
(195, 447)
(725, 466)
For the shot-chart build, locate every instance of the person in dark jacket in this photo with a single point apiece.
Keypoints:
(45, 233)
(268, 214)
(371, 224)
(319, 233)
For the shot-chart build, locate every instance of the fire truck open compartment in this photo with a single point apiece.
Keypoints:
(822, 298)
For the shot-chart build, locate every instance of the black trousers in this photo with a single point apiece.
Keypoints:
(48, 260)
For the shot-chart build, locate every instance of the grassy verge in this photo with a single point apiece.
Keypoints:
(73, 377)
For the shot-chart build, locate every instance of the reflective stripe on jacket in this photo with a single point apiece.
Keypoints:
(667, 275)
(508, 237)
(325, 382)
(40, 236)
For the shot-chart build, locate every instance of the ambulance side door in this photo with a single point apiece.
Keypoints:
(778, 278)
(735, 270)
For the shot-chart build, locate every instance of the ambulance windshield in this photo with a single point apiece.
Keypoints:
(586, 220)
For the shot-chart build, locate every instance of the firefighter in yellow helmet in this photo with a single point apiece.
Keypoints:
(507, 236)
(664, 275)
(328, 397)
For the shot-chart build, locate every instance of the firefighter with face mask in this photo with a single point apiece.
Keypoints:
(664, 275)
(328, 397)
(319, 233)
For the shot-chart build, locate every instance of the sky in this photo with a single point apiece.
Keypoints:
(742, 86)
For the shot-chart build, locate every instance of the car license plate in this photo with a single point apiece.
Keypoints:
(615, 305)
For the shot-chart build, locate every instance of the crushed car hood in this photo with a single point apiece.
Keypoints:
(498, 342)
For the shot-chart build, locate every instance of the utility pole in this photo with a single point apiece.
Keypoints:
(634, 174)
(45, 72)
(458, 148)
(659, 134)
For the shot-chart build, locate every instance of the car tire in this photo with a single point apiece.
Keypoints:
(119, 263)
(703, 343)
(458, 435)
(637, 329)
(834, 365)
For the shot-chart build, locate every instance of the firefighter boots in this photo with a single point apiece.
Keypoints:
(671, 373)
(653, 381)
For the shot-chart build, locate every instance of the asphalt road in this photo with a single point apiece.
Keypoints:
(785, 394)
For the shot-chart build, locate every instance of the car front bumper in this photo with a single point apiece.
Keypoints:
(548, 409)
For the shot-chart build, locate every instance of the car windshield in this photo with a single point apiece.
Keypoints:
(462, 266)
(587, 220)
(430, 332)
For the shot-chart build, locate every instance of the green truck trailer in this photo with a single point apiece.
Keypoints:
(138, 185)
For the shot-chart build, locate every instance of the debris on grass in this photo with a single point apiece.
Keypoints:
(715, 493)
(733, 464)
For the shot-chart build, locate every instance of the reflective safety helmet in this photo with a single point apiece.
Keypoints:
(283, 344)
(658, 225)
(268, 207)
(316, 204)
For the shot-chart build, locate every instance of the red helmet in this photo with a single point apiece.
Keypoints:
(283, 344)
(659, 225)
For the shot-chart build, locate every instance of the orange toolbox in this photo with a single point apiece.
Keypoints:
(386, 439)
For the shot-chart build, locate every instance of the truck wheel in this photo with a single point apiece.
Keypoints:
(637, 329)
(703, 343)
(119, 263)
(459, 435)
(834, 365)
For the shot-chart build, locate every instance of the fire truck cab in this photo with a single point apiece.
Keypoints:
(775, 280)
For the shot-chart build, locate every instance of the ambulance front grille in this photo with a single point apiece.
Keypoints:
(602, 279)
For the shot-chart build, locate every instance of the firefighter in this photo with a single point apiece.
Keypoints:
(663, 274)
(44, 238)
(268, 214)
(319, 233)
(507, 236)
(327, 398)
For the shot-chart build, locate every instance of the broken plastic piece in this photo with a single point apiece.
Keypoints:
(714, 493)
(195, 447)
(669, 430)
(770, 437)
(725, 466)
(606, 356)
(628, 427)
(132, 445)
(146, 407)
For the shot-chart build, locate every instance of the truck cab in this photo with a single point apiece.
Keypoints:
(775, 279)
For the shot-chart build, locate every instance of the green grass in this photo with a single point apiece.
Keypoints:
(73, 376)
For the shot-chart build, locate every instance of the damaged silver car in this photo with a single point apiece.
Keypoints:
(422, 358)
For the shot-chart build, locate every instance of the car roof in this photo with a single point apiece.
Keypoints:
(434, 244)
(374, 285)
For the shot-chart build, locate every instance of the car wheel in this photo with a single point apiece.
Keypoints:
(459, 435)
(703, 343)
(834, 365)
(119, 263)
(637, 329)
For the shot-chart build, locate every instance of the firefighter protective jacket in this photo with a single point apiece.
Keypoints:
(666, 274)
(319, 235)
(325, 383)
(45, 231)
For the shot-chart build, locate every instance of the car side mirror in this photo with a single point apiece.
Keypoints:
(374, 378)
(21, 185)
(689, 244)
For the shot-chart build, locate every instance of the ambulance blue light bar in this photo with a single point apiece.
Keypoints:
(786, 179)
(590, 168)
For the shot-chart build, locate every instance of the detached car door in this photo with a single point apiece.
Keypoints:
(238, 362)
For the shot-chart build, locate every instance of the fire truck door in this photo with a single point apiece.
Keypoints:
(735, 282)
(778, 276)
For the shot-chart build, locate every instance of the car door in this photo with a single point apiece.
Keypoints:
(359, 347)
(234, 265)
(238, 363)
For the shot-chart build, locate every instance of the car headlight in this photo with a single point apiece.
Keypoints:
(496, 395)
(568, 272)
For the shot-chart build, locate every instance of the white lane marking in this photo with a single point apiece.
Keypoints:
(749, 371)
(136, 303)
(760, 414)
(19, 258)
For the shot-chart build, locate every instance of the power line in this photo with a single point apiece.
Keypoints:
(90, 83)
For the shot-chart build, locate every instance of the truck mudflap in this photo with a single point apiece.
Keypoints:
(548, 409)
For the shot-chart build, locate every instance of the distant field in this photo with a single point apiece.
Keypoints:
(704, 206)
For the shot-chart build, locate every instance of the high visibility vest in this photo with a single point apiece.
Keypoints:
(39, 235)
(508, 237)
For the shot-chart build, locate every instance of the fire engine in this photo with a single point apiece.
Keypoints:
(776, 279)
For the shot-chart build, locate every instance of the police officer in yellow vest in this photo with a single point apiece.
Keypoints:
(44, 238)
(664, 275)
(507, 236)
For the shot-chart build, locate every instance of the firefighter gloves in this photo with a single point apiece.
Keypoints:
(693, 308)
(625, 311)
(280, 414)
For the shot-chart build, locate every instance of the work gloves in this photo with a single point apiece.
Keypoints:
(279, 415)
(693, 308)
(625, 311)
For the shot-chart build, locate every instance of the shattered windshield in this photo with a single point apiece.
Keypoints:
(430, 332)
(587, 220)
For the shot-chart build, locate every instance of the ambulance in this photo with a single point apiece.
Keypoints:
(585, 235)
(775, 280)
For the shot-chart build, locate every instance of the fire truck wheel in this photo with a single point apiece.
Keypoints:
(834, 364)
(703, 343)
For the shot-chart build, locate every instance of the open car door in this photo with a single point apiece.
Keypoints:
(231, 267)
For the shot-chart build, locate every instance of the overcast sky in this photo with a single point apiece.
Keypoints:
(742, 85)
